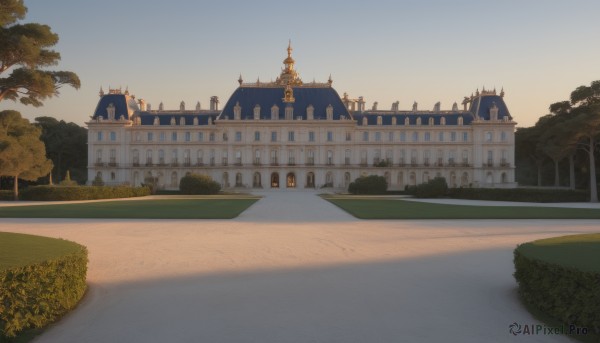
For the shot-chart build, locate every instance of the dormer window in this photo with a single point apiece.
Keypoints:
(289, 112)
(195, 120)
(379, 120)
(406, 121)
(110, 110)
(182, 121)
(394, 121)
(364, 121)
(156, 121)
(431, 121)
(494, 112)
(419, 121)
(274, 112)
(173, 121)
(443, 121)
(310, 112)
(460, 120)
(237, 111)
(257, 112)
(329, 112)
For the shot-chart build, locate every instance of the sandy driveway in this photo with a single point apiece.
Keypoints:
(294, 268)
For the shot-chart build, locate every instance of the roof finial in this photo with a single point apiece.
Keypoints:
(502, 92)
(101, 92)
(330, 80)
(240, 80)
(289, 48)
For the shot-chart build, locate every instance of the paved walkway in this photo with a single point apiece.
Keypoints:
(294, 268)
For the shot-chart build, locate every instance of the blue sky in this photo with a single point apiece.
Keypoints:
(424, 51)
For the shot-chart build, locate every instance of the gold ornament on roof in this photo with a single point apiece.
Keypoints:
(288, 75)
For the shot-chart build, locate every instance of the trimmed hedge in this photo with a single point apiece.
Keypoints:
(37, 294)
(6, 195)
(53, 193)
(198, 184)
(371, 184)
(520, 194)
(434, 188)
(568, 295)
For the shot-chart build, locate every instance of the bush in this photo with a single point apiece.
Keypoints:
(51, 193)
(568, 295)
(435, 188)
(7, 195)
(371, 184)
(35, 295)
(98, 181)
(198, 184)
(520, 194)
(67, 181)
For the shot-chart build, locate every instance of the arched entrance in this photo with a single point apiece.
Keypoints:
(310, 180)
(239, 182)
(347, 180)
(256, 183)
(291, 180)
(274, 180)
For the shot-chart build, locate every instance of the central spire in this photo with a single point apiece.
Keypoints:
(289, 76)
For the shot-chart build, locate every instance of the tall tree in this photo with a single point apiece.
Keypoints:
(22, 153)
(24, 50)
(527, 149)
(584, 126)
(66, 146)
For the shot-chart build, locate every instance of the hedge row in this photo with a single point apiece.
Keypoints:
(519, 194)
(372, 184)
(53, 193)
(6, 195)
(434, 188)
(568, 295)
(198, 184)
(38, 294)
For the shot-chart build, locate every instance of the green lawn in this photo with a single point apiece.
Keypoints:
(577, 251)
(378, 208)
(20, 250)
(199, 208)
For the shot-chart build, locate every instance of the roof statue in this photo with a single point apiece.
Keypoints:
(289, 76)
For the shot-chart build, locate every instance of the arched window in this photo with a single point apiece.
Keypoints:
(412, 179)
(425, 177)
(489, 178)
(238, 180)
(464, 179)
(290, 180)
(274, 180)
(329, 179)
(174, 180)
(401, 180)
(310, 180)
(256, 180)
(504, 178)
(225, 180)
(347, 179)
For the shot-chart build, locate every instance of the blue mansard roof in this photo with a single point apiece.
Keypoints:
(125, 106)
(164, 117)
(480, 107)
(266, 97)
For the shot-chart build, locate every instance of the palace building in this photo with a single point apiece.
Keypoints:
(291, 134)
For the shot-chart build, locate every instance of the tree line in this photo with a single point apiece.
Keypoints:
(565, 141)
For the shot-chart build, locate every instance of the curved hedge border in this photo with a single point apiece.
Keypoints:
(566, 294)
(61, 193)
(36, 294)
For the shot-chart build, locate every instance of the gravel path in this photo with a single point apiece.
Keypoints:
(294, 268)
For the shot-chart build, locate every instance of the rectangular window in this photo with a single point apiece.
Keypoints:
(225, 137)
(163, 137)
(99, 136)
(402, 136)
(415, 137)
(150, 136)
(377, 136)
(329, 136)
(291, 136)
(174, 137)
(441, 137)
(366, 136)
(188, 136)
(453, 136)
(238, 136)
(99, 156)
(273, 136)
(113, 136)
(200, 136)
(465, 136)
(256, 136)
(390, 136)
(427, 137)
(311, 136)
(211, 137)
(348, 136)
(503, 136)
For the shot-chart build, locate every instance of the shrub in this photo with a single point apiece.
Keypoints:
(35, 295)
(67, 181)
(520, 194)
(51, 193)
(98, 181)
(568, 295)
(435, 188)
(7, 195)
(371, 184)
(198, 184)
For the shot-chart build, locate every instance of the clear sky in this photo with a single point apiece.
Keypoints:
(409, 50)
